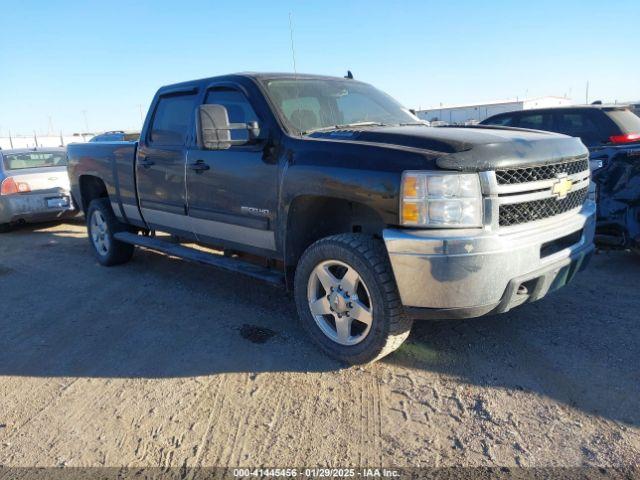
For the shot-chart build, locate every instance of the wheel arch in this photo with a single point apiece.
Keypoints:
(312, 217)
(91, 188)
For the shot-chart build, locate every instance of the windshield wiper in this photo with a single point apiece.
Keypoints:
(345, 125)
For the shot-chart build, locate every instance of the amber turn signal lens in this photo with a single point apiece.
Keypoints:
(410, 212)
(410, 186)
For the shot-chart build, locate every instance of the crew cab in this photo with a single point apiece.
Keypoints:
(612, 135)
(331, 188)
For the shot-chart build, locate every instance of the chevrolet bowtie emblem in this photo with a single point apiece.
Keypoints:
(561, 188)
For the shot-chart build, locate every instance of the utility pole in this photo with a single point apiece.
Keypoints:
(587, 94)
(141, 116)
(86, 122)
(10, 139)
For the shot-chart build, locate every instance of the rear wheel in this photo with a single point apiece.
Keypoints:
(102, 224)
(5, 227)
(347, 298)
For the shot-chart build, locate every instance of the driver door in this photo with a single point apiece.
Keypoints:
(232, 193)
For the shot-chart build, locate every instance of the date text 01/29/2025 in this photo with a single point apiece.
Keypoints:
(316, 472)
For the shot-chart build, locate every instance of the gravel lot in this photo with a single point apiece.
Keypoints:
(149, 364)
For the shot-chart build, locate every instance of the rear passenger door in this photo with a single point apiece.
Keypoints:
(161, 161)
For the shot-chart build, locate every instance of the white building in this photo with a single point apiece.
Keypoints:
(26, 141)
(460, 114)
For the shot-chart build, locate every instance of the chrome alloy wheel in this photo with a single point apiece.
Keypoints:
(340, 302)
(100, 233)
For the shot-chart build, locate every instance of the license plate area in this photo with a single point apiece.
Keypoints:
(58, 202)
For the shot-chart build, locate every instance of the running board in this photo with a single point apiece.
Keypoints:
(190, 254)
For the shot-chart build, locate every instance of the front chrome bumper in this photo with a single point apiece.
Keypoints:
(468, 273)
(34, 207)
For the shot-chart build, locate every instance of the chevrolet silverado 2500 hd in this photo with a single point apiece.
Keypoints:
(371, 217)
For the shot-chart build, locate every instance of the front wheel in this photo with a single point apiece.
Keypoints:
(101, 225)
(347, 298)
(5, 227)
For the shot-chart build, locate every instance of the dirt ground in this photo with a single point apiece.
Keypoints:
(158, 363)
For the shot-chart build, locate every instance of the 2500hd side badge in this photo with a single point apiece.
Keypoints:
(262, 212)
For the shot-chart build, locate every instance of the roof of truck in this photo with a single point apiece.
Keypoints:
(253, 75)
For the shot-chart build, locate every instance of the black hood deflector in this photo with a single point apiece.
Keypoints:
(476, 148)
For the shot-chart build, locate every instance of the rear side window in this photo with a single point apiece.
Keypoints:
(582, 124)
(172, 119)
(534, 121)
(20, 161)
(502, 120)
(628, 121)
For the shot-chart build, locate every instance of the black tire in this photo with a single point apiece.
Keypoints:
(116, 252)
(5, 227)
(389, 326)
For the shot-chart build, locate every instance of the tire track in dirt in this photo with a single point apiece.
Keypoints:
(219, 384)
(307, 411)
(378, 403)
(42, 410)
(272, 416)
(238, 427)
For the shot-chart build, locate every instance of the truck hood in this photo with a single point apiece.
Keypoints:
(475, 148)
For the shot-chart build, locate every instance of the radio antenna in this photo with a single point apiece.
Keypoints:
(293, 50)
(295, 71)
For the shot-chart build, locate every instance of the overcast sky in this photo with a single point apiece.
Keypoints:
(64, 65)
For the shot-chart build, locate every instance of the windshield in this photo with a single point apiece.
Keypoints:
(307, 105)
(19, 161)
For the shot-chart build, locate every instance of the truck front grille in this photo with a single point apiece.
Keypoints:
(514, 176)
(517, 213)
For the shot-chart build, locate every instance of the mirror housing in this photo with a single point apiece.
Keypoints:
(213, 129)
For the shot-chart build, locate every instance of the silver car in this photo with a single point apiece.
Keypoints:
(34, 186)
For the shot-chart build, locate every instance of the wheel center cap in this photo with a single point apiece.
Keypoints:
(338, 302)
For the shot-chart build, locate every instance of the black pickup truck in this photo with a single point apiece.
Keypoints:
(331, 188)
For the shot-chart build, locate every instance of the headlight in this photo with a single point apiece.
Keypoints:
(441, 199)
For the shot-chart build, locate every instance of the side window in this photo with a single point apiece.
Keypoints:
(172, 118)
(238, 108)
(534, 121)
(503, 121)
(578, 124)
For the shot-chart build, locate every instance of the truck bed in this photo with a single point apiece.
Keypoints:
(113, 162)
